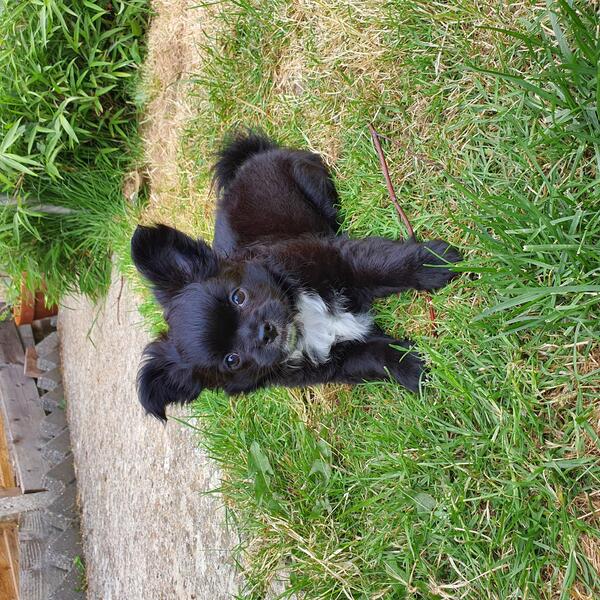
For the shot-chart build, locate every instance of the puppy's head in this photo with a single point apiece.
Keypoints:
(230, 324)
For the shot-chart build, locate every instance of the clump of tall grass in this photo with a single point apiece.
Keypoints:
(544, 213)
(67, 73)
(65, 81)
(562, 85)
(63, 239)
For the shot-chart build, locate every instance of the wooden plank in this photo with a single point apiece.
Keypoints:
(12, 533)
(10, 492)
(31, 369)
(34, 535)
(23, 415)
(9, 562)
(26, 335)
(33, 579)
(11, 349)
(7, 474)
(12, 507)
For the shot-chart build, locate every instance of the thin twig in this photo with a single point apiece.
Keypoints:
(401, 214)
(119, 300)
(388, 181)
(432, 315)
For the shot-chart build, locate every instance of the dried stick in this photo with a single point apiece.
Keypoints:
(119, 300)
(401, 213)
(388, 181)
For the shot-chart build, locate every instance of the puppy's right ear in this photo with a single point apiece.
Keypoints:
(164, 378)
(170, 259)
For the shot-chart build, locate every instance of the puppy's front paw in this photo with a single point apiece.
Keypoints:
(434, 273)
(404, 365)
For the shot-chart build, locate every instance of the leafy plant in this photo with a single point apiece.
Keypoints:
(79, 564)
(61, 234)
(64, 73)
(67, 70)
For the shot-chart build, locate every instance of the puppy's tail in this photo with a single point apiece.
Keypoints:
(236, 150)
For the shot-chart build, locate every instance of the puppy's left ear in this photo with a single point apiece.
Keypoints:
(164, 378)
(170, 259)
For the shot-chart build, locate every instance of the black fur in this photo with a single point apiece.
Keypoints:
(235, 152)
(276, 237)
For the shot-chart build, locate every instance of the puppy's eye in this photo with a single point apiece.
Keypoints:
(239, 297)
(232, 360)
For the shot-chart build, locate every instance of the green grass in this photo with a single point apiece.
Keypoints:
(73, 248)
(79, 564)
(68, 72)
(485, 484)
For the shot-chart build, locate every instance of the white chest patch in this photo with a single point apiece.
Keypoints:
(319, 327)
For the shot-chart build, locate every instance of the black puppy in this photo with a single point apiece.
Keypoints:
(281, 298)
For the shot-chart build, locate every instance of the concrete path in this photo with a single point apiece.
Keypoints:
(149, 531)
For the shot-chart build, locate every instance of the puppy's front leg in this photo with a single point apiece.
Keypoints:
(385, 267)
(357, 362)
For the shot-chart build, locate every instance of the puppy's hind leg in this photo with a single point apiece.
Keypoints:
(314, 180)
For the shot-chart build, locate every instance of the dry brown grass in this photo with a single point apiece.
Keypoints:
(353, 38)
(586, 506)
(591, 548)
(174, 56)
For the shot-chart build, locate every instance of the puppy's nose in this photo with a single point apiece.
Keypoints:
(267, 332)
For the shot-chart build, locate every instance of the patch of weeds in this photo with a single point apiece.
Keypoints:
(65, 81)
(66, 240)
(79, 564)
